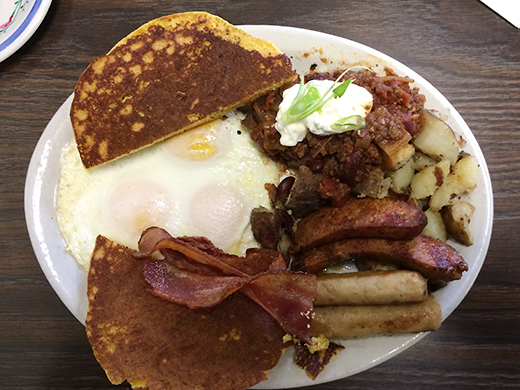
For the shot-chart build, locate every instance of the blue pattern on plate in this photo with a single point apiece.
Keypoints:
(23, 26)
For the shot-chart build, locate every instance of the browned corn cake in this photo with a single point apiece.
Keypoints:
(170, 75)
(162, 345)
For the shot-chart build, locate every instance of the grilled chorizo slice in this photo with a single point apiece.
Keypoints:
(381, 218)
(433, 258)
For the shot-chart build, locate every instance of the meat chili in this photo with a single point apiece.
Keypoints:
(352, 158)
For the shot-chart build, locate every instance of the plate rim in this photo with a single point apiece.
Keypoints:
(43, 147)
(26, 30)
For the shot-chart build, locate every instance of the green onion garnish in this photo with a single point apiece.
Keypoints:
(309, 100)
(342, 88)
(352, 122)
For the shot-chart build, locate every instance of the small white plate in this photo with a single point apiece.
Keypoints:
(19, 20)
(305, 48)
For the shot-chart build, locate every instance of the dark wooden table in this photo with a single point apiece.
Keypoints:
(467, 51)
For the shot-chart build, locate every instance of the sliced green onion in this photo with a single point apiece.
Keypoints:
(352, 122)
(301, 89)
(309, 100)
(340, 90)
(359, 67)
(306, 102)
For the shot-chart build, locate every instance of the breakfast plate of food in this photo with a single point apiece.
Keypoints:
(210, 145)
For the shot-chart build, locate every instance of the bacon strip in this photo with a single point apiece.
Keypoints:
(197, 274)
(287, 297)
(192, 289)
(155, 238)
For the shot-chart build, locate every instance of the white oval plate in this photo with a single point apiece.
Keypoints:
(19, 20)
(305, 48)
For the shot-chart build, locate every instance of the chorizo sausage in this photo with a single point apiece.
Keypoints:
(433, 258)
(381, 218)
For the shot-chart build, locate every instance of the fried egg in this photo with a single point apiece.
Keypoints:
(204, 182)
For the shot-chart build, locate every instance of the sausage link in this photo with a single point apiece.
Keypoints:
(345, 322)
(370, 288)
(433, 258)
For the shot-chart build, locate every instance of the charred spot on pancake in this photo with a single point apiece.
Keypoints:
(153, 343)
(168, 76)
(315, 363)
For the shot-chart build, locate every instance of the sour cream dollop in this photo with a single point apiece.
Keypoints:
(355, 101)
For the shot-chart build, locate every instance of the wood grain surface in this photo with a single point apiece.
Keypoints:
(469, 53)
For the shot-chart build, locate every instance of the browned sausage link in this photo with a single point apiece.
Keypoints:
(346, 322)
(370, 288)
(433, 258)
(381, 218)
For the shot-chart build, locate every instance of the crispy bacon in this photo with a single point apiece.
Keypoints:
(288, 297)
(195, 290)
(195, 273)
(198, 249)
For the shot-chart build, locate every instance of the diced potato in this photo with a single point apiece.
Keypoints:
(421, 161)
(385, 186)
(436, 139)
(457, 218)
(434, 176)
(435, 227)
(462, 178)
(401, 141)
(400, 157)
(402, 178)
(425, 182)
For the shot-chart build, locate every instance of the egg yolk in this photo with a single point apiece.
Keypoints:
(196, 144)
(219, 213)
(138, 204)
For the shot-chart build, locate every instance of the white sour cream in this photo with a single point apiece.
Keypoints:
(355, 101)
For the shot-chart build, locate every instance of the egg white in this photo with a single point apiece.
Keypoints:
(204, 182)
